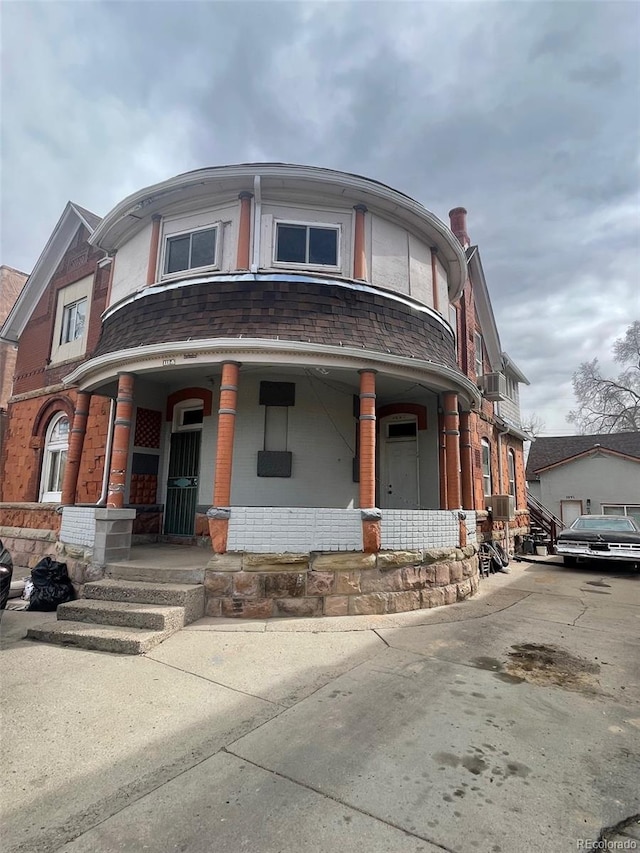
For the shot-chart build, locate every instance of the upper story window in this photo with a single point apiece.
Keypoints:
(486, 467)
(315, 245)
(511, 462)
(191, 250)
(69, 339)
(479, 361)
(73, 320)
(512, 388)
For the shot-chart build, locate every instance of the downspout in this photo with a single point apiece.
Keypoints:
(257, 222)
(107, 455)
(500, 484)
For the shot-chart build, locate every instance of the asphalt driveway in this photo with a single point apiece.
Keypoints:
(502, 724)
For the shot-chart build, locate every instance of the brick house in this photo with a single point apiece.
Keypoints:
(284, 363)
(11, 283)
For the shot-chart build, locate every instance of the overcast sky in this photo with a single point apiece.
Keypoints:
(525, 113)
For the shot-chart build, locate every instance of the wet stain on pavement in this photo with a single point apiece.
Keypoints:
(474, 764)
(548, 665)
(490, 664)
(544, 665)
(597, 591)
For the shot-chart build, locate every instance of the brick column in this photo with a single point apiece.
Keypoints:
(367, 430)
(359, 252)
(442, 461)
(219, 526)
(152, 265)
(244, 232)
(74, 454)
(466, 463)
(121, 437)
(452, 449)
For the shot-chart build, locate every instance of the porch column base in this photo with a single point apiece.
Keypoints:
(371, 530)
(113, 535)
(219, 532)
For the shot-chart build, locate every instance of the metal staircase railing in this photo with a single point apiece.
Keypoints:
(543, 518)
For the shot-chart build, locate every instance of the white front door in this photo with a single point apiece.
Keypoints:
(399, 488)
(570, 511)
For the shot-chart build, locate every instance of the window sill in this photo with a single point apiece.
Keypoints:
(326, 268)
(190, 273)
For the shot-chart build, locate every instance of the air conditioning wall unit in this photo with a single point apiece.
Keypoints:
(503, 507)
(494, 386)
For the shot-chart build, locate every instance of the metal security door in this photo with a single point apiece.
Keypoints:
(182, 484)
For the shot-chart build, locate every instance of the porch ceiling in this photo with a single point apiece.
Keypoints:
(389, 389)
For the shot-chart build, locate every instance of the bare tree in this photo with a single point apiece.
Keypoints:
(533, 425)
(610, 405)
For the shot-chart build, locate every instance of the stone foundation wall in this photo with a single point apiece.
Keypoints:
(27, 547)
(259, 586)
(488, 529)
(79, 565)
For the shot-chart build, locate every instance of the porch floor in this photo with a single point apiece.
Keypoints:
(163, 555)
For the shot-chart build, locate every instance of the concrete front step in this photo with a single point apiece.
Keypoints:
(189, 596)
(87, 635)
(126, 614)
(154, 574)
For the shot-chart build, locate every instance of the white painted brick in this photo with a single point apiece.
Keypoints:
(78, 526)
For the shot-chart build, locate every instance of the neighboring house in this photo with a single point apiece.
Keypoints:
(11, 283)
(280, 358)
(574, 475)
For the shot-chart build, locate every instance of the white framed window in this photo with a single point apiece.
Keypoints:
(631, 510)
(191, 250)
(511, 467)
(188, 415)
(312, 244)
(477, 338)
(74, 316)
(486, 467)
(512, 388)
(72, 320)
(55, 458)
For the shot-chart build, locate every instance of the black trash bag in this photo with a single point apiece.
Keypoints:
(51, 585)
(6, 571)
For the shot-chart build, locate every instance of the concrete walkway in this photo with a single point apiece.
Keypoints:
(503, 724)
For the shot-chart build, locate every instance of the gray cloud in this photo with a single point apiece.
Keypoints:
(526, 113)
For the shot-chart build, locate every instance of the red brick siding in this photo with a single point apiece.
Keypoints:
(27, 424)
(32, 370)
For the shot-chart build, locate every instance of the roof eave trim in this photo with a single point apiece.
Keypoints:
(138, 201)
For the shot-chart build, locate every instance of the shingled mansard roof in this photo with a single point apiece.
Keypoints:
(556, 450)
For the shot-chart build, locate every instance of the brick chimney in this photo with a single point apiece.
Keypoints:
(458, 219)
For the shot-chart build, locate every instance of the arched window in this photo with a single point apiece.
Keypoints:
(486, 467)
(55, 457)
(511, 463)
